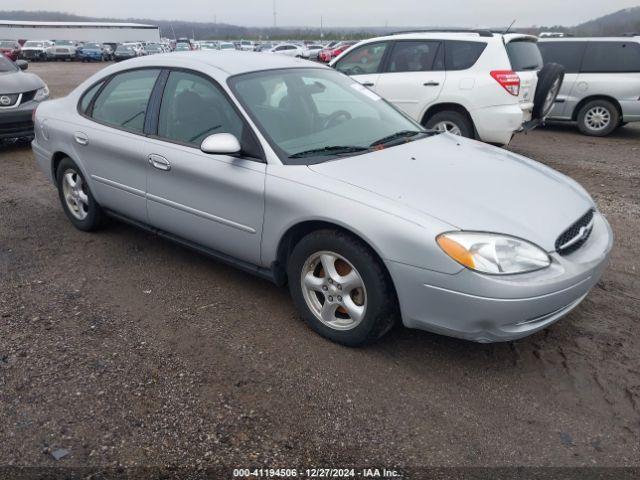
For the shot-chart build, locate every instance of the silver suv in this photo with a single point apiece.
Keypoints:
(601, 89)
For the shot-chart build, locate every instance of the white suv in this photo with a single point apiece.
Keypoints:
(477, 83)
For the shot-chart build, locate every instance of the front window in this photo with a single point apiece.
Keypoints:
(363, 60)
(312, 115)
(193, 108)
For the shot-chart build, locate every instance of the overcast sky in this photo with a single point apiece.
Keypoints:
(468, 13)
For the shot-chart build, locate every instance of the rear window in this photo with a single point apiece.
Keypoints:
(611, 57)
(567, 54)
(524, 55)
(460, 55)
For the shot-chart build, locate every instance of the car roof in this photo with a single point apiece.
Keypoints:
(591, 39)
(230, 63)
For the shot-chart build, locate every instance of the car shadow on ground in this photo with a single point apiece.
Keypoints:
(630, 131)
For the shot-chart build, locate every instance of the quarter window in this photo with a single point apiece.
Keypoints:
(364, 60)
(88, 96)
(611, 57)
(123, 101)
(413, 57)
(524, 55)
(194, 108)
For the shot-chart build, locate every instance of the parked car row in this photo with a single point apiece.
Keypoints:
(52, 50)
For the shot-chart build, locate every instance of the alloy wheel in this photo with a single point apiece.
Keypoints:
(334, 290)
(75, 194)
(597, 118)
(447, 126)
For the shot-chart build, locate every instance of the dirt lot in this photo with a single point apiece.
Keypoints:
(125, 349)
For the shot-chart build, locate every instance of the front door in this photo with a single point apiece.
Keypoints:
(216, 201)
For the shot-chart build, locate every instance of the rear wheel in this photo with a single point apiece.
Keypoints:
(76, 198)
(452, 122)
(598, 118)
(341, 289)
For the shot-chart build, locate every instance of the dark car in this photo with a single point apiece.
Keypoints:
(20, 93)
(124, 52)
(11, 49)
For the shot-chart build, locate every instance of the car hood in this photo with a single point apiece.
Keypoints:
(17, 82)
(469, 185)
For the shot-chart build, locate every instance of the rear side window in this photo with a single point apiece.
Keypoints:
(413, 56)
(524, 55)
(123, 101)
(567, 54)
(611, 57)
(460, 55)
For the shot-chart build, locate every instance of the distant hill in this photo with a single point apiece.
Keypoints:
(618, 23)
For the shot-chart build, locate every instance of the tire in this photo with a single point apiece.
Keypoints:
(376, 300)
(550, 80)
(454, 122)
(598, 118)
(92, 217)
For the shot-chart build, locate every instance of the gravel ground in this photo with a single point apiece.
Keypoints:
(121, 349)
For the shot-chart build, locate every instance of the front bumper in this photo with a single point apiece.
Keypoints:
(485, 308)
(17, 123)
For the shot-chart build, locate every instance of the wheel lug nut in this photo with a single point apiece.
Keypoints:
(331, 299)
(325, 288)
(339, 287)
(339, 298)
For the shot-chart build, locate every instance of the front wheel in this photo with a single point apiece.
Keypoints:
(452, 122)
(76, 198)
(341, 289)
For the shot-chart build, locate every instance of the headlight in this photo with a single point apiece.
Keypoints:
(493, 253)
(42, 94)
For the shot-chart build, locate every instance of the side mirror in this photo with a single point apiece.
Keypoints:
(221, 144)
(22, 65)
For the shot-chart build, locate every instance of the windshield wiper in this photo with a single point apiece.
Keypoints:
(396, 136)
(330, 150)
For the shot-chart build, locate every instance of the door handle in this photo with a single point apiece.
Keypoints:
(431, 84)
(368, 84)
(81, 138)
(159, 162)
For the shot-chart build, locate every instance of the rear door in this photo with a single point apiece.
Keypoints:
(363, 64)
(413, 76)
(526, 61)
(569, 54)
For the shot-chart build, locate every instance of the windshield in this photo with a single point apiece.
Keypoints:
(182, 46)
(313, 115)
(92, 46)
(7, 44)
(226, 46)
(6, 65)
(123, 48)
(64, 42)
(34, 44)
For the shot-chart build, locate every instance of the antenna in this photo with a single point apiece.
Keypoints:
(275, 15)
(509, 27)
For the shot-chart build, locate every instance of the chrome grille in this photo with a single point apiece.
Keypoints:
(576, 235)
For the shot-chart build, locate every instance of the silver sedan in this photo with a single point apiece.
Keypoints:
(296, 173)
